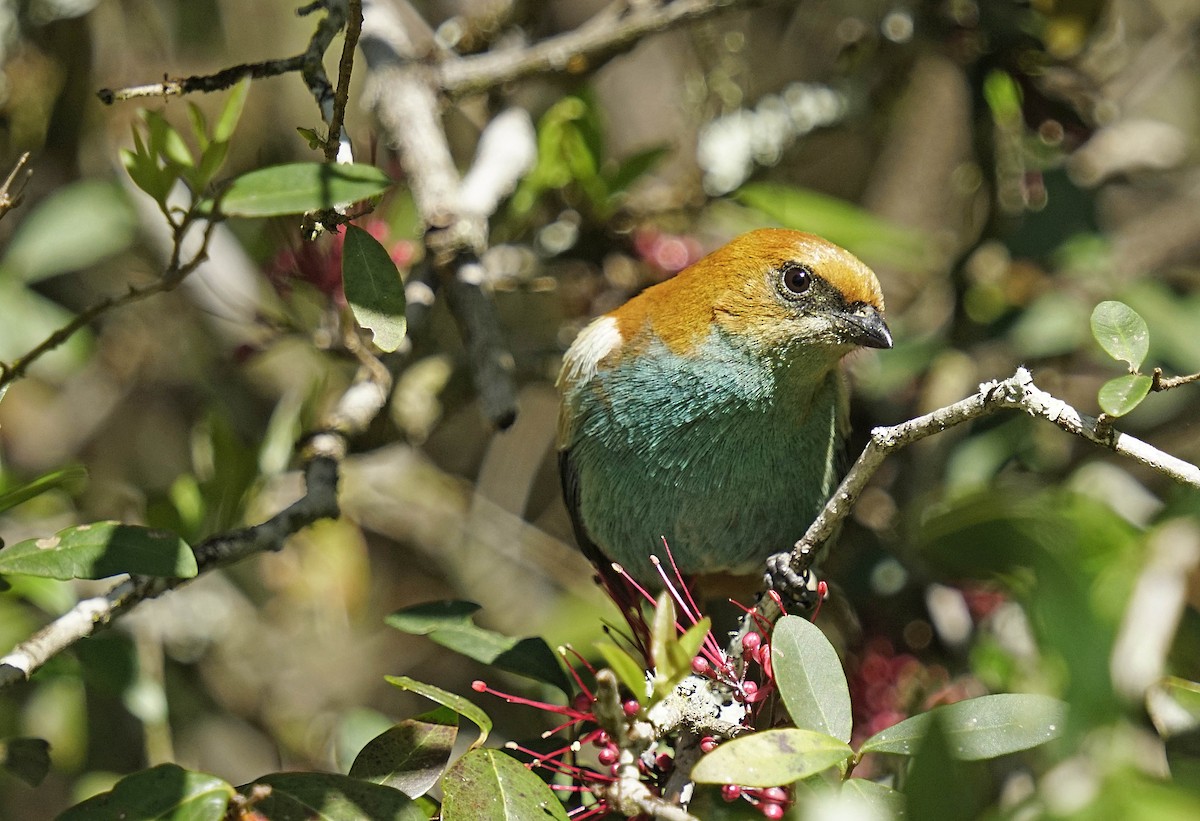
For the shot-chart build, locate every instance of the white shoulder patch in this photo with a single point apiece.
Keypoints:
(594, 342)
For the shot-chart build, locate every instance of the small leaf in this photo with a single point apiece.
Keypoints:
(1121, 332)
(488, 785)
(978, 728)
(410, 756)
(199, 126)
(69, 478)
(166, 142)
(810, 678)
(101, 549)
(166, 792)
(449, 624)
(300, 187)
(457, 703)
(329, 797)
(310, 135)
(26, 758)
(627, 669)
(1121, 395)
(771, 758)
(232, 112)
(373, 288)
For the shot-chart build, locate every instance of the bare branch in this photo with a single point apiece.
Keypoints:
(11, 190)
(615, 29)
(345, 67)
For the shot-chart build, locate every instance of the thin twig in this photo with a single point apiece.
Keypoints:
(618, 27)
(345, 67)
(1166, 383)
(10, 198)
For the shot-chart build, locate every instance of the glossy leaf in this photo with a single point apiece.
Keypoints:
(771, 758)
(231, 112)
(330, 797)
(75, 227)
(26, 758)
(373, 288)
(810, 678)
(1121, 395)
(299, 187)
(457, 703)
(1121, 332)
(488, 785)
(978, 728)
(164, 793)
(410, 756)
(101, 549)
(627, 669)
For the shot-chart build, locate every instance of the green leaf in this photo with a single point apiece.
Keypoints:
(410, 756)
(1003, 97)
(1121, 395)
(627, 669)
(300, 187)
(1121, 332)
(26, 758)
(939, 786)
(457, 703)
(841, 222)
(449, 624)
(163, 793)
(810, 678)
(69, 478)
(72, 229)
(889, 803)
(978, 728)
(166, 142)
(101, 549)
(488, 785)
(373, 288)
(632, 168)
(330, 797)
(232, 112)
(199, 126)
(771, 758)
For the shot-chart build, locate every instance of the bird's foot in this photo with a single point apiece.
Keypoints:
(797, 589)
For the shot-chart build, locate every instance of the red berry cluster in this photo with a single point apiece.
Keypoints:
(886, 687)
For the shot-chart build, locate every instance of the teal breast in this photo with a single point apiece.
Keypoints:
(727, 457)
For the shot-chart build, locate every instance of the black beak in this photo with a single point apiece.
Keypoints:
(865, 326)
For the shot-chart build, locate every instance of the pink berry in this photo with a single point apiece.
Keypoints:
(771, 811)
(478, 686)
(700, 666)
(731, 792)
(775, 795)
(631, 707)
(601, 739)
(608, 756)
(749, 689)
(708, 744)
(664, 761)
(751, 642)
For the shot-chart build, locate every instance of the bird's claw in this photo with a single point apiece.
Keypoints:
(797, 589)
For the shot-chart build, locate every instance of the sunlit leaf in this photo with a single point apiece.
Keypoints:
(627, 669)
(771, 758)
(488, 785)
(978, 728)
(810, 678)
(101, 549)
(164, 793)
(449, 623)
(1119, 396)
(410, 756)
(232, 111)
(300, 187)
(373, 288)
(1121, 332)
(455, 702)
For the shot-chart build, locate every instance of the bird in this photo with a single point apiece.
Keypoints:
(707, 416)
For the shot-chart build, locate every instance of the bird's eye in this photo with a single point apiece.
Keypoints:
(796, 279)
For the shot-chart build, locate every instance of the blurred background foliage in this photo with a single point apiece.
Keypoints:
(1004, 166)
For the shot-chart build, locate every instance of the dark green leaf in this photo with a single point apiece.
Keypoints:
(411, 756)
(488, 785)
(457, 703)
(300, 187)
(810, 678)
(373, 288)
(100, 549)
(1121, 395)
(939, 786)
(1121, 332)
(978, 728)
(771, 758)
(163, 793)
(449, 624)
(26, 758)
(330, 797)
(69, 478)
